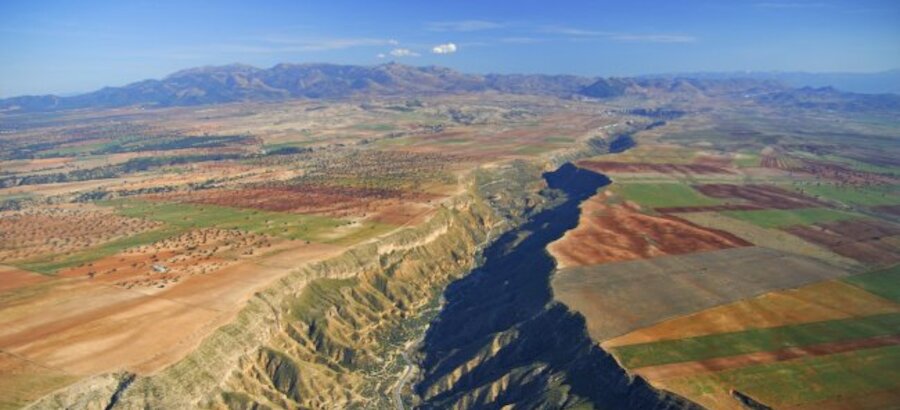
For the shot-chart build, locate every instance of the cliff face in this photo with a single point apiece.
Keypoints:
(329, 335)
(336, 334)
(502, 339)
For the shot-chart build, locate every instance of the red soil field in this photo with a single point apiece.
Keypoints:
(857, 239)
(762, 196)
(608, 233)
(643, 167)
(335, 201)
(12, 278)
(724, 363)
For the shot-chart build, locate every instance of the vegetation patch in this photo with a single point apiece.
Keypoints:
(756, 340)
(655, 195)
(778, 218)
(884, 282)
(286, 225)
(806, 380)
(870, 195)
(52, 264)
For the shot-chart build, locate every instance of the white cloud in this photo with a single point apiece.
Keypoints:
(403, 52)
(448, 48)
(463, 25)
(380, 55)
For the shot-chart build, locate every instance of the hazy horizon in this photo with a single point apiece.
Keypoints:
(69, 48)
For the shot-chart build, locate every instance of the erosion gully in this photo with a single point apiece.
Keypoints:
(502, 317)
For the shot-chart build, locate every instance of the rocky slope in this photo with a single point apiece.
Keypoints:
(335, 335)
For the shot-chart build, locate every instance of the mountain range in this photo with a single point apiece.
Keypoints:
(237, 82)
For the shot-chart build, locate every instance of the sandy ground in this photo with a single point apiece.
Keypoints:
(78, 326)
(13, 278)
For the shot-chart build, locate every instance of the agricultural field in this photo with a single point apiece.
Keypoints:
(749, 260)
(137, 234)
(811, 335)
(659, 195)
(737, 247)
(777, 218)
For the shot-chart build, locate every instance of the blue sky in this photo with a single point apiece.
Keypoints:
(74, 46)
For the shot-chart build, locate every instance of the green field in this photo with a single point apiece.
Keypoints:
(806, 380)
(756, 340)
(52, 264)
(533, 149)
(286, 225)
(884, 283)
(659, 195)
(780, 218)
(854, 195)
(747, 160)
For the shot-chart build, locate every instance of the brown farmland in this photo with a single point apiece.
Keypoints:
(338, 201)
(642, 167)
(831, 171)
(609, 233)
(863, 240)
(620, 297)
(762, 196)
(828, 300)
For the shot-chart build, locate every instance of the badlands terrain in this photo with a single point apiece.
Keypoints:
(319, 236)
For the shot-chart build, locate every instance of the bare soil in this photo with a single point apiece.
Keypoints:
(761, 196)
(863, 240)
(609, 233)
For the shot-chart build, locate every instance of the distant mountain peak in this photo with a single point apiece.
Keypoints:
(241, 82)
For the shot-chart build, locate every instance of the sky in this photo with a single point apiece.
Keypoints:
(65, 47)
